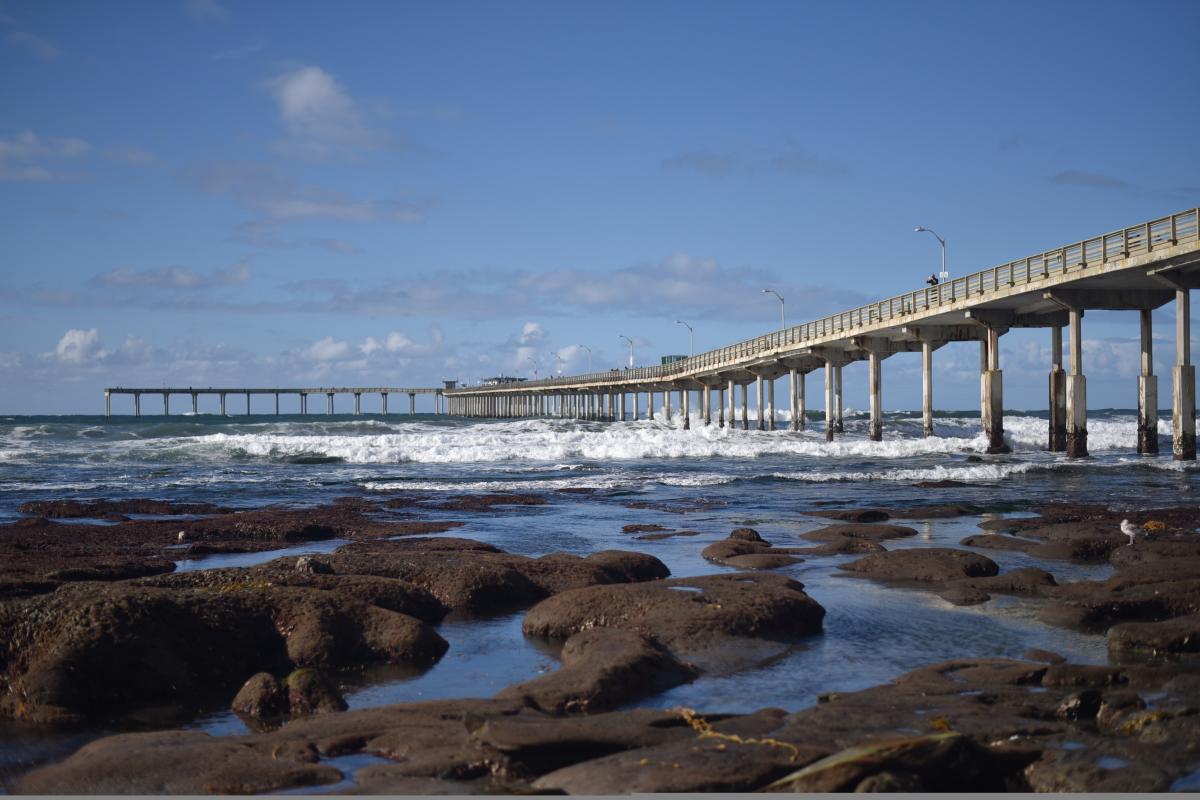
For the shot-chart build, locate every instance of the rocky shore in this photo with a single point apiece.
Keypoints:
(96, 621)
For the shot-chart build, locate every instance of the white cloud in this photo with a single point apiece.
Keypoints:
(206, 11)
(322, 119)
(328, 349)
(532, 332)
(22, 155)
(38, 46)
(78, 346)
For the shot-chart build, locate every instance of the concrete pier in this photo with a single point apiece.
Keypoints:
(796, 406)
(991, 394)
(1183, 390)
(1058, 394)
(1076, 391)
(828, 401)
(875, 386)
(838, 427)
(770, 404)
(926, 388)
(1147, 388)
(686, 397)
(759, 409)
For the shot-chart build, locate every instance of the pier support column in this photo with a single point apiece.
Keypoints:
(1058, 395)
(650, 405)
(1076, 392)
(745, 406)
(1183, 392)
(707, 405)
(634, 397)
(622, 396)
(137, 404)
(686, 396)
(927, 388)
(796, 391)
(1147, 391)
(329, 403)
(875, 426)
(829, 401)
(357, 403)
(166, 404)
(247, 404)
(277, 404)
(303, 403)
(667, 405)
(222, 396)
(721, 407)
(838, 427)
(195, 403)
(758, 404)
(771, 404)
(108, 403)
(732, 418)
(383, 403)
(991, 396)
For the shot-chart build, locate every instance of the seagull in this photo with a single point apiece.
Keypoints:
(1130, 530)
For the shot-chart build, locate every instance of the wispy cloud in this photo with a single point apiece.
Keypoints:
(170, 278)
(37, 46)
(790, 160)
(27, 156)
(279, 198)
(706, 162)
(238, 53)
(206, 11)
(1095, 180)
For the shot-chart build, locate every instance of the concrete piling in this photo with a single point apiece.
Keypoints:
(1058, 394)
(1147, 389)
(991, 395)
(1076, 391)
(1183, 390)
(926, 388)
(875, 381)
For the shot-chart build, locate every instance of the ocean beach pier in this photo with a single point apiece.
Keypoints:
(302, 395)
(1138, 269)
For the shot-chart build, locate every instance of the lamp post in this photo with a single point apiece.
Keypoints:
(777, 294)
(533, 361)
(626, 338)
(919, 229)
(691, 345)
(561, 361)
(585, 347)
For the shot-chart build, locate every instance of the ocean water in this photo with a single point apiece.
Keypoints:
(707, 479)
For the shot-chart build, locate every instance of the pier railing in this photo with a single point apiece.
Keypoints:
(1120, 244)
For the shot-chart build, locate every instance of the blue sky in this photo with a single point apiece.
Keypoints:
(219, 192)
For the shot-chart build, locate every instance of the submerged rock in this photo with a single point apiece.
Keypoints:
(928, 564)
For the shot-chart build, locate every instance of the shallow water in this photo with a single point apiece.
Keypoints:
(721, 478)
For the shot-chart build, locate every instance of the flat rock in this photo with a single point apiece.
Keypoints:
(995, 541)
(930, 564)
(1178, 635)
(853, 514)
(745, 549)
(712, 621)
(866, 532)
(603, 668)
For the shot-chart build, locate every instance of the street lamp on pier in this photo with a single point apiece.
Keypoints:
(691, 344)
(585, 347)
(626, 338)
(943, 275)
(777, 294)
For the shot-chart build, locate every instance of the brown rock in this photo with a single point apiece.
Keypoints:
(872, 533)
(603, 668)
(1178, 635)
(930, 564)
(853, 514)
(713, 621)
(261, 697)
(311, 692)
